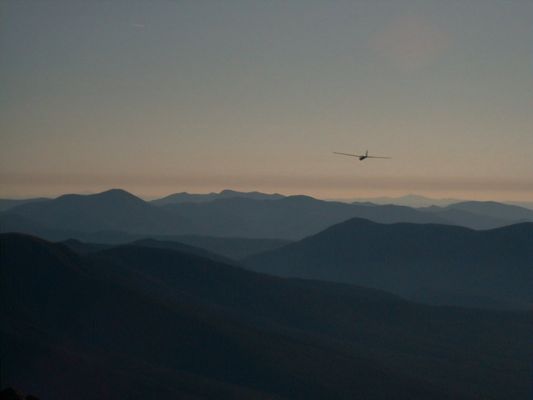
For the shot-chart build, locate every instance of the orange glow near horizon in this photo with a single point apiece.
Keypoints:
(199, 97)
(320, 187)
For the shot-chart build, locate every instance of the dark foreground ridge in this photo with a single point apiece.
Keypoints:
(148, 322)
(12, 394)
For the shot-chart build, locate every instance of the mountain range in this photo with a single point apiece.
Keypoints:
(418, 201)
(288, 218)
(439, 264)
(410, 200)
(142, 321)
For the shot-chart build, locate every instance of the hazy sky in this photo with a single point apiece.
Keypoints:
(164, 96)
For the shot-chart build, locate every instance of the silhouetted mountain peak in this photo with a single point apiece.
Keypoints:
(111, 210)
(115, 195)
(230, 192)
(359, 222)
(361, 227)
(116, 192)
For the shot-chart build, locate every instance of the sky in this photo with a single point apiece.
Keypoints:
(158, 97)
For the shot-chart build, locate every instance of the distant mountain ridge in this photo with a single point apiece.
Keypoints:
(495, 210)
(481, 214)
(439, 264)
(418, 201)
(114, 209)
(6, 204)
(287, 218)
(410, 200)
(185, 197)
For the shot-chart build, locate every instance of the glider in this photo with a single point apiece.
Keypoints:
(360, 156)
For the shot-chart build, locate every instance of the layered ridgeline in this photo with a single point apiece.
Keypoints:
(113, 215)
(438, 264)
(184, 197)
(481, 214)
(113, 210)
(147, 322)
(291, 217)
